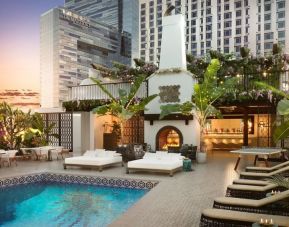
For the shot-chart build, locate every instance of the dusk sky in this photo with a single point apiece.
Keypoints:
(19, 42)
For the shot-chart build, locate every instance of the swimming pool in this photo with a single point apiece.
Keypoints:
(52, 203)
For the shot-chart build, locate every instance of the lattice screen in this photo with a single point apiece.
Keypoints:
(63, 127)
(134, 130)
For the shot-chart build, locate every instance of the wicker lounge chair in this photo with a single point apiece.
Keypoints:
(266, 169)
(222, 218)
(252, 175)
(276, 204)
(94, 159)
(251, 182)
(251, 191)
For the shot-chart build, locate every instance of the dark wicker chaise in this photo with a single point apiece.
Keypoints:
(258, 176)
(276, 204)
(266, 169)
(251, 191)
(228, 218)
(251, 182)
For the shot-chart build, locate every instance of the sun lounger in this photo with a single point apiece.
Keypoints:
(266, 169)
(94, 159)
(220, 217)
(157, 162)
(251, 191)
(251, 182)
(252, 175)
(274, 204)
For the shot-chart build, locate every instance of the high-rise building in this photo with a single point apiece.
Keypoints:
(122, 14)
(224, 25)
(69, 43)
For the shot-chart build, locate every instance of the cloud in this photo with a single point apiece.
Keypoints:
(26, 104)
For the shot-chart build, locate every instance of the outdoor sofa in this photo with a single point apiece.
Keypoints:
(157, 162)
(220, 218)
(99, 159)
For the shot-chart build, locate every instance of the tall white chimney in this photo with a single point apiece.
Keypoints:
(173, 50)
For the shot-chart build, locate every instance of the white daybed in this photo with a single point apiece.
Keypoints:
(157, 162)
(94, 159)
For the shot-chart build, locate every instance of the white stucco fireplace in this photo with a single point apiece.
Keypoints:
(174, 84)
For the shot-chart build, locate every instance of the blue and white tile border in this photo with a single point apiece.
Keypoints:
(77, 179)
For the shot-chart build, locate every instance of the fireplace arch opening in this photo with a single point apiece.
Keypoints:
(169, 138)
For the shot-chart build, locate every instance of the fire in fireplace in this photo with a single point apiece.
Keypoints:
(169, 138)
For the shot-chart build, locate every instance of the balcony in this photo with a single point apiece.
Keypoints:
(93, 92)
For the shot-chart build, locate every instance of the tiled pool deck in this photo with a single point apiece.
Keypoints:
(175, 201)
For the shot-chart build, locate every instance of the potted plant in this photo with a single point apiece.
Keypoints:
(205, 95)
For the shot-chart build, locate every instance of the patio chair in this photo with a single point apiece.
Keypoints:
(221, 218)
(56, 151)
(257, 176)
(9, 157)
(189, 151)
(26, 154)
(276, 204)
(41, 153)
(132, 152)
(251, 191)
(266, 169)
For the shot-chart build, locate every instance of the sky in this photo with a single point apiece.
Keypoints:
(20, 41)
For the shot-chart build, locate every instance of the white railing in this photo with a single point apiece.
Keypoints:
(93, 92)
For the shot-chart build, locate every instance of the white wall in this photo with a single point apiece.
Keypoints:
(184, 79)
(83, 132)
(76, 147)
(191, 132)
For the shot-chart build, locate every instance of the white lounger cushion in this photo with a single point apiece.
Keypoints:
(265, 174)
(251, 182)
(268, 168)
(252, 187)
(95, 161)
(100, 153)
(155, 164)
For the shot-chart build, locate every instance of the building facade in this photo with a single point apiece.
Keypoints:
(69, 43)
(223, 25)
(122, 14)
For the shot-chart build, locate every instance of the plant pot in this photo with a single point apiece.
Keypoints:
(201, 157)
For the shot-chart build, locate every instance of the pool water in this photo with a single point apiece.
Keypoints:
(56, 204)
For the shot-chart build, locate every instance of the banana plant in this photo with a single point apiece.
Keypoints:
(126, 105)
(205, 95)
(37, 134)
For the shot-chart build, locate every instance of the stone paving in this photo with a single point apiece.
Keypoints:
(175, 201)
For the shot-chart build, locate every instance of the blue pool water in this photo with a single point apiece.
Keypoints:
(56, 204)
